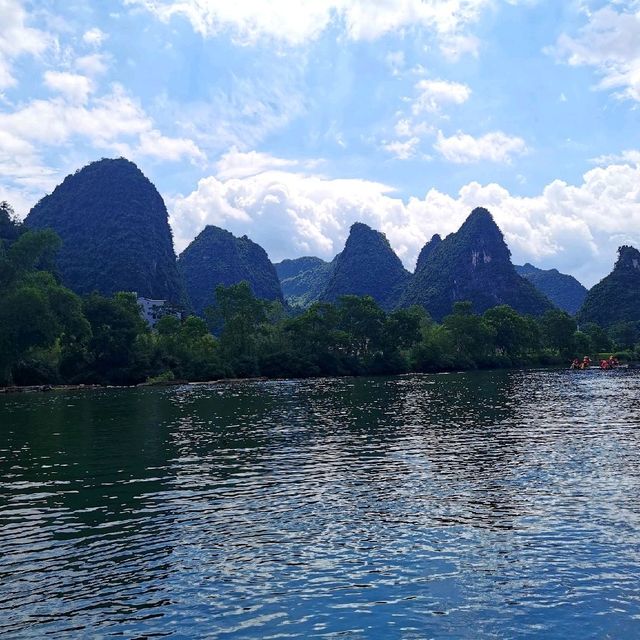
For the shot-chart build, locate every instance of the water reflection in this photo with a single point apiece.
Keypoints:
(463, 505)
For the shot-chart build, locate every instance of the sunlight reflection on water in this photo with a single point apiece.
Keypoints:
(481, 505)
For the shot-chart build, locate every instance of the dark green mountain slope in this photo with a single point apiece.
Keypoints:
(367, 266)
(218, 257)
(303, 279)
(295, 266)
(472, 264)
(562, 289)
(616, 298)
(427, 250)
(114, 229)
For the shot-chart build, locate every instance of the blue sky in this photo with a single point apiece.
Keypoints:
(290, 121)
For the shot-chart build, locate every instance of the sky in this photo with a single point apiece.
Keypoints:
(288, 121)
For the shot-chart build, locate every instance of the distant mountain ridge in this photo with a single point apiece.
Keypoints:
(563, 290)
(367, 266)
(471, 264)
(616, 298)
(303, 280)
(115, 236)
(216, 257)
(114, 229)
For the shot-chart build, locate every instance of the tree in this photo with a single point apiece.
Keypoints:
(116, 325)
(599, 339)
(31, 250)
(557, 329)
(188, 349)
(402, 328)
(37, 314)
(239, 317)
(625, 334)
(362, 322)
(512, 331)
(582, 343)
(10, 228)
(473, 338)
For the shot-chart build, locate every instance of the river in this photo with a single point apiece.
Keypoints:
(475, 505)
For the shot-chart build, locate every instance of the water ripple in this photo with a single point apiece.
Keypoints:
(482, 505)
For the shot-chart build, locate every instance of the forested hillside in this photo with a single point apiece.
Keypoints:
(114, 229)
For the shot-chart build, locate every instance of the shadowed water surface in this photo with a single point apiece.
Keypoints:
(486, 505)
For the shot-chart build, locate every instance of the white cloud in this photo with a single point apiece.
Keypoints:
(456, 46)
(94, 37)
(154, 145)
(402, 149)
(295, 23)
(94, 64)
(292, 213)
(113, 121)
(16, 39)
(463, 148)
(434, 94)
(237, 164)
(72, 86)
(630, 155)
(610, 43)
(432, 97)
(22, 170)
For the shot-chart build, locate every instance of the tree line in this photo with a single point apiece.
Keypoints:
(50, 335)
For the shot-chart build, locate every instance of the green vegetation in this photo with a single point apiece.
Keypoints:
(426, 251)
(614, 303)
(48, 334)
(367, 266)
(10, 229)
(563, 290)
(217, 257)
(51, 335)
(303, 280)
(115, 232)
(472, 264)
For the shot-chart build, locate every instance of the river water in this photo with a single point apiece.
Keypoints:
(479, 505)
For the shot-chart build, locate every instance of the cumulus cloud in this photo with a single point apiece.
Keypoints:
(94, 64)
(575, 228)
(73, 86)
(16, 39)
(111, 121)
(153, 144)
(610, 43)
(23, 171)
(463, 148)
(432, 96)
(295, 23)
(403, 149)
(435, 94)
(629, 155)
(94, 37)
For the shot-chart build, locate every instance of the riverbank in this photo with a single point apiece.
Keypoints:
(43, 388)
(46, 388)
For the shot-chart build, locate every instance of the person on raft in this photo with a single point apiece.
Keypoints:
(586, 362)
(610, 363)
